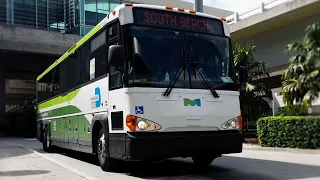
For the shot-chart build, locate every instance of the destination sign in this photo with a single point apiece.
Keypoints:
(153, 17)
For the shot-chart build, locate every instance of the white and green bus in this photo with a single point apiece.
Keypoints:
(147, 83)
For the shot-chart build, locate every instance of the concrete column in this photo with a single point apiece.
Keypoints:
(261, 7)
(236, 17)
(198, 5)
(2, 99)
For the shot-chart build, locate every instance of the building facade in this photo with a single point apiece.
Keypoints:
(73, 16)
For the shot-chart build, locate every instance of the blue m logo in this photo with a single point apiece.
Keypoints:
(189, 102)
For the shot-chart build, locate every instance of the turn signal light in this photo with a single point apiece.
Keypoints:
(240, 121)
(169, 7)
(153, 126)
(181, 9)
(131, 122)
(128, 4)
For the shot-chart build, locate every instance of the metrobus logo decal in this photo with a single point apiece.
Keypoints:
(189, 102)
(96, 99)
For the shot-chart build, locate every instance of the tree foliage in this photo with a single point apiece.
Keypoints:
(301, 81)
(253, 93)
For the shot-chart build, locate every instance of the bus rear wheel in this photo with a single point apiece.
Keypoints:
(46, 143)
(203, 161)
(105, 162)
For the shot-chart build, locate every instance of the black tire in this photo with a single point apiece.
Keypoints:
(103, 155)
(46, 143)
(203, 161)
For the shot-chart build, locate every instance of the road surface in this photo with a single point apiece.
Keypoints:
(249, 165)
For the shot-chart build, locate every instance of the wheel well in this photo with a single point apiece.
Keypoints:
(95, 133)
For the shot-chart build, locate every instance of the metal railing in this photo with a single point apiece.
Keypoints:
(263, 7)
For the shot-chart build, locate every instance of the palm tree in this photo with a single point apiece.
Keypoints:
(302, 78)
(254, 93)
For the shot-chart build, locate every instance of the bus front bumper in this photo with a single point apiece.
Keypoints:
(160, 145)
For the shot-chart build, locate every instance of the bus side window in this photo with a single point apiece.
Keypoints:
(99, 55)
(115, 80)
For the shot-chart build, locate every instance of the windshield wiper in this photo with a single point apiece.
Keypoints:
(202, 76)
(175, 78)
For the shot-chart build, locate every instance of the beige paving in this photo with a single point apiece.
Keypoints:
(18, 163)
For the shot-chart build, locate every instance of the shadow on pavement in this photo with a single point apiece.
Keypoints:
(226, 168)
(22, 173)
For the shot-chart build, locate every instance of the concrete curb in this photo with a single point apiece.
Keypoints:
(84, 175)
(276, 149)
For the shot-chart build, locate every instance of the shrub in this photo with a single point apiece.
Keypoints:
(289, 131)
(295, 110)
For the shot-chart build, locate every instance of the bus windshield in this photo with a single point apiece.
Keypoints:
(158, 55)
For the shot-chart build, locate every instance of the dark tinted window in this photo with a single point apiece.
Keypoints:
(63, 71)
(49, 85)
(98, 55)
(115, 80)
(85, 62)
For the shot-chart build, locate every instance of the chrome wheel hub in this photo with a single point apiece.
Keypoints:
(102, 147)
(48, 140)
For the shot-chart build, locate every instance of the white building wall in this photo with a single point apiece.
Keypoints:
(272, 43)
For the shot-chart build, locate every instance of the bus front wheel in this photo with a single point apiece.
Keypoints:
(103, 154)
(203, 161)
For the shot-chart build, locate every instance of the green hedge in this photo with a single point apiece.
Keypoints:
(295, 110)
(289, 131)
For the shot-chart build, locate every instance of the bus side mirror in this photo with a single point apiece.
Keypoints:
(116, 56)
(243, 75)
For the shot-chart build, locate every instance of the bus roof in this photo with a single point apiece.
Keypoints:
(124, 13)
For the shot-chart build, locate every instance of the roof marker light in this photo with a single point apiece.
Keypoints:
(192, 11)
(223, 19)
(181, 9)
(114, 12)
(169, 7)
(128, 4)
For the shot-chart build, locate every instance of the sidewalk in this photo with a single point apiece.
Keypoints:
(249, 146)
(18, 163)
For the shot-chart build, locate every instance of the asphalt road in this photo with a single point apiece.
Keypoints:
(249, 165)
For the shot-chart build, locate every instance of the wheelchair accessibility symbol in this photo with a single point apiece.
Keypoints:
(139, 110)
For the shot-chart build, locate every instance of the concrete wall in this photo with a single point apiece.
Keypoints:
(15, 86)
(276, 17)
(271, 44)
(187, 5)
(35, 41)
(2, 98)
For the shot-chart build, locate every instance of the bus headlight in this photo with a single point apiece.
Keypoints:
(143, 125)
(135, 123)
(234, 123)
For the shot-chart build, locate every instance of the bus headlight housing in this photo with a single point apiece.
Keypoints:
(142, 125)
(234, 123)
(135, 123)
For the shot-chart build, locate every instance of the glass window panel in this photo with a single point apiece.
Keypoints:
(113, 5)
(3, 11)
(56, 14)
(25, 13)
(42, 14)
(90, 5)
(102, 6)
